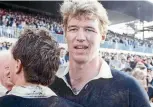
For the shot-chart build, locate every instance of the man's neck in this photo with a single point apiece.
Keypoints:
(80, 74)
(21, 81)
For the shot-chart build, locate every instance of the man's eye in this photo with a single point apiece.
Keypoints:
(73, 30)
(90, 30)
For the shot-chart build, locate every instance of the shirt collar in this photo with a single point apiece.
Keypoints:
(32, 91)
(3, 90)
(105, 71)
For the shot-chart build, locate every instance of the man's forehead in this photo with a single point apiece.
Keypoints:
(82, 17)
(83, 23)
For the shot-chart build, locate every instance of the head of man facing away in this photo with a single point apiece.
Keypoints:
(35, 58)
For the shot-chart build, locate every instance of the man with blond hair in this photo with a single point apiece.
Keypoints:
(5, 83)
(88, 80)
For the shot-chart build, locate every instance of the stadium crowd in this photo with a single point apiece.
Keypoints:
(17, 19)
(127, 40)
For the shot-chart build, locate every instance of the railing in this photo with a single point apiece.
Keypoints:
(120, 46)
(10, 32)
(15, 33)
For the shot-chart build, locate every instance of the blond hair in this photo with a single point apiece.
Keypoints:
(138, 74)
(88, 8)
(141, 77)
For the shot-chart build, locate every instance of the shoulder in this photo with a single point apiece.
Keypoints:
(54, 101)
(129, 81)
(137, 94)
(120, 75)
(9, 100)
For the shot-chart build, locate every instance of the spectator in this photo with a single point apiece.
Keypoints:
(62, 56)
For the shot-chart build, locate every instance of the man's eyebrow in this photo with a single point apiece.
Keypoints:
(81, 26)
(72, 26)
(89, 27)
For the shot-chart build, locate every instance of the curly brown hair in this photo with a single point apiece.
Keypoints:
(39, 55)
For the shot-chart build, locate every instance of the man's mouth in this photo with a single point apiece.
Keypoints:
(80, 47)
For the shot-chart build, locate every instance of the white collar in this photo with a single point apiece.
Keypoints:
(3, 90)
(105, 71)
(32, 91)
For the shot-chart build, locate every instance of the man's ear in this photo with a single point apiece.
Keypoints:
(18, 66)
(103, 37)
(7, 72)
(65, 38)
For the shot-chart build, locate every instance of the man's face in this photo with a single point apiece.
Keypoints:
(5, 75)
(148, 61)
(135, 58)
(83, 38)
(115, 57)
(123, 60)
(12, 68)
(62, 52)
(150, 72)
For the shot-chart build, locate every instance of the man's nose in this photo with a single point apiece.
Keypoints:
(81, 36)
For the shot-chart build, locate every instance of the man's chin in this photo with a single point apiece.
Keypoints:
(80, 60)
